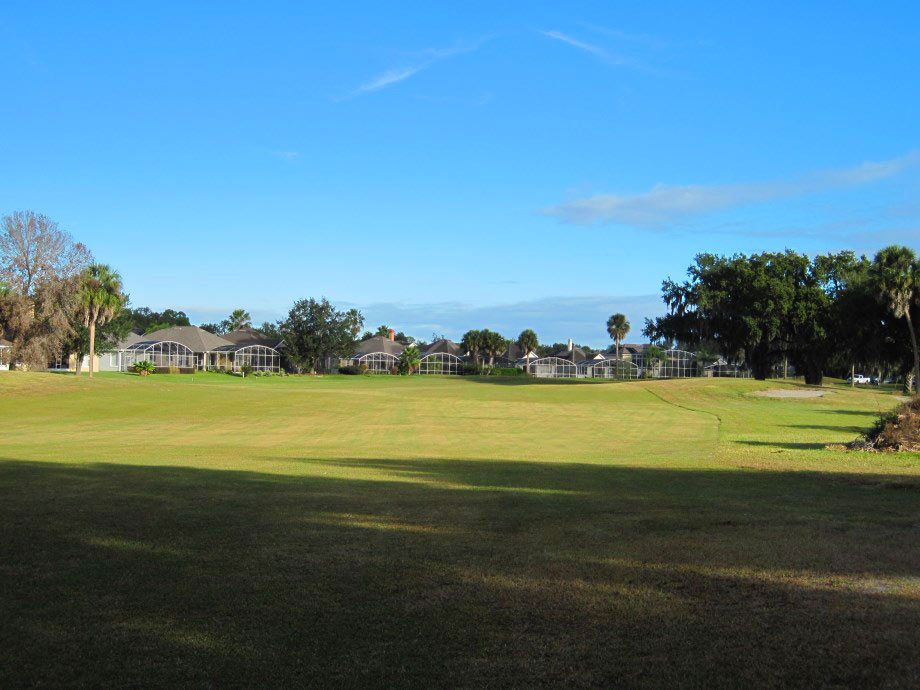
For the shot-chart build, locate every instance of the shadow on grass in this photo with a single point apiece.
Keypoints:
(532, 380)
(432, 573)
(788, 445)
(830, 427)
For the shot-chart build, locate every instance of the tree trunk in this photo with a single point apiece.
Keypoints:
(913, 341)
(92, 346)
(814, 374)
(78, 362)
(852, 376)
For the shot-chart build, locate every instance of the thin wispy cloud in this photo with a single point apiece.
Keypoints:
(620, 35)
(597, 51)
(664, 204)
(423, 61)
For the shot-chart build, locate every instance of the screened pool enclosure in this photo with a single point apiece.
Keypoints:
(378, 362)
(235, 357)
(166, 355)
(161, 354)
(442, 363)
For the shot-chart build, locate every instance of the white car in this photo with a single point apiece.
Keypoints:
(858, 378)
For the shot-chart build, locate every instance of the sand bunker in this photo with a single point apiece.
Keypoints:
(787, 393)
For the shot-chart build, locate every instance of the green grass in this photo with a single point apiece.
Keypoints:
(431, 532)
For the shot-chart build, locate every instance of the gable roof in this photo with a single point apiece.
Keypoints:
(575, 355)
(379, 343)
(444, 345)
(194, 338)
(250, 336)
(129, 340)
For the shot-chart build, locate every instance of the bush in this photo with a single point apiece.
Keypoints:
(246, 369)
(174, 370)
(351, 370)
(506, 371)
(471, 369)
(144, 368)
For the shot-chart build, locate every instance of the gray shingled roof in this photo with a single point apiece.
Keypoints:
(444, 345)
(131, 339)
(194, 338)
(250, 336)
(575, 356)
(379, 343)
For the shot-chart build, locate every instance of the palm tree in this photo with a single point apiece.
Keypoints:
(897, 279)
(528, 342)
(472, 342)
(493, 344)
(617, 327)
(409, 359)
(100, 298)
(240, 318)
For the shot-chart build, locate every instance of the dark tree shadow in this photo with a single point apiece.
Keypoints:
(445, 573)
(788, 445)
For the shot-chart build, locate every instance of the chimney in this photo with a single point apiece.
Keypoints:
(571, 346)
(392, 335)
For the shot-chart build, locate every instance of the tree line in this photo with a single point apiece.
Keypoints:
(825, 315)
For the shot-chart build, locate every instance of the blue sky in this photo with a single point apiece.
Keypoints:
(452, 166)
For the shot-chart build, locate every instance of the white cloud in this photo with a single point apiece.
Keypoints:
(596, 51)
(664, 204)
(390, 77)
(425, 59)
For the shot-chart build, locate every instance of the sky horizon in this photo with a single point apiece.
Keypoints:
(444, 168)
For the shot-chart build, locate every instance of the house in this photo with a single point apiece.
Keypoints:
(516, 356)
(573, 354)
(443, 357)
(189, 348)
(378, 353)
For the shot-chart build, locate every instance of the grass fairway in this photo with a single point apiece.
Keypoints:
(390, 532)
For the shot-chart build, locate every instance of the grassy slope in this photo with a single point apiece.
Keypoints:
(377, 531)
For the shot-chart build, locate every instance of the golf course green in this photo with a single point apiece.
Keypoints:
(211, 531)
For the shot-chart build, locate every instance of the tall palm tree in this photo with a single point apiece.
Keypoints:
(472, 342)
(617, 328)
(99, 298)
(240, 318)
(494, 344)
(528, 342)
(897, 279)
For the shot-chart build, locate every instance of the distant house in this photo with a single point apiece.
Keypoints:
(573, 354)
(443, 357)
(378, 353)
(516, 356)
(189, 348)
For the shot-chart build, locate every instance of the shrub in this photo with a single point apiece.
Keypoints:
(174, 370)
(246, 369)
(352, 370)
(470, 369)
(144, 368)
(506, 371)
(362, 368)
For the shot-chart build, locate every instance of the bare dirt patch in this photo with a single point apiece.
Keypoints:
(791, 393)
